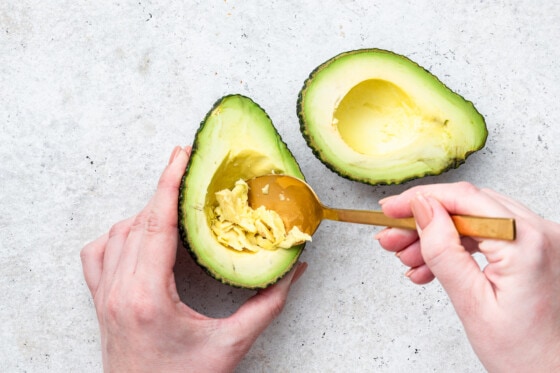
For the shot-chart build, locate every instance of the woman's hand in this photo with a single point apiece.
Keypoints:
(511, 309)
(144, 325)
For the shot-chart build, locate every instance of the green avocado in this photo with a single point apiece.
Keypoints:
(377, 117)
(236, 140)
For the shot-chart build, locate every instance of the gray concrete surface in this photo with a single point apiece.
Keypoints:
(95, 94)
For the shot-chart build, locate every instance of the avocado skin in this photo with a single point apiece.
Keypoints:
(453, 163)
(183, 232)
(183, 186)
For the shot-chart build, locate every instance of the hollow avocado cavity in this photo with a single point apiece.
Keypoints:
(377, 117)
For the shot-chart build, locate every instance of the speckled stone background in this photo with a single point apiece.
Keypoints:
(94, 95)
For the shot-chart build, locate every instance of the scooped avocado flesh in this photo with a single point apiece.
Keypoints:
(240, 227)
(236, 140)
(379, 118)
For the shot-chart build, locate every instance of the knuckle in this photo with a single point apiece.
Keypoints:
(149, 221)
(276, 307)
(467, 187)
(540, 246)
(141, 309)
(120, 228)
(465, 190)
(86, 252)
(167, 181)
(241, 344)
(131, 308)
(112, 308)
(92, 250)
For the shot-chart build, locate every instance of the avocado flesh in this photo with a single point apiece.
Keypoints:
(236, 140)
(239, 226)
(379, 118)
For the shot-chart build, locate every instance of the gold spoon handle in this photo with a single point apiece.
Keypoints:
(499, 228)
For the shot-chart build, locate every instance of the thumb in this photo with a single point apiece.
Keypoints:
(441, 248)
(253, 317)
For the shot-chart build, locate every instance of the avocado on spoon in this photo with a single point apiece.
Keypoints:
(298, 205)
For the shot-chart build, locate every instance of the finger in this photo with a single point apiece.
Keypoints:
(419, 272)
(457, 198)
(92, 262)
(396, 239)
(173, 155)
(443, 253)
(252, 318)
(405, 244)
(117, 237)
(512, 205)
(153, 237)
(420, 275)
(411, 256)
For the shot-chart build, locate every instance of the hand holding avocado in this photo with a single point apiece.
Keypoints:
(510, 310)
(144, 325)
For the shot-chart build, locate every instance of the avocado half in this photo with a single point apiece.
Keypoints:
(377, 117)
(236, 140)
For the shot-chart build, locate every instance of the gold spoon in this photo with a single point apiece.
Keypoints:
(298, 205)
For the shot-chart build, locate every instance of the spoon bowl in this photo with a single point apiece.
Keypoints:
(298, 205)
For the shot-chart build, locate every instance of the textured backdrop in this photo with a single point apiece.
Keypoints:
(94, 95)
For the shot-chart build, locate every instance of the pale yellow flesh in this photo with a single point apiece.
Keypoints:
(240, 227)
(376, 118)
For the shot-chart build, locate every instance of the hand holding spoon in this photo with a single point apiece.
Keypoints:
(298, 205)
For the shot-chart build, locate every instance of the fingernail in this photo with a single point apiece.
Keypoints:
(398, 254)
(188, 150)
(174, 154)
(410, 272)
(380, 234)
(422, 211)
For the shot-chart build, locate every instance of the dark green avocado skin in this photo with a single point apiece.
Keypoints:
(183, 186)
(453, 163)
